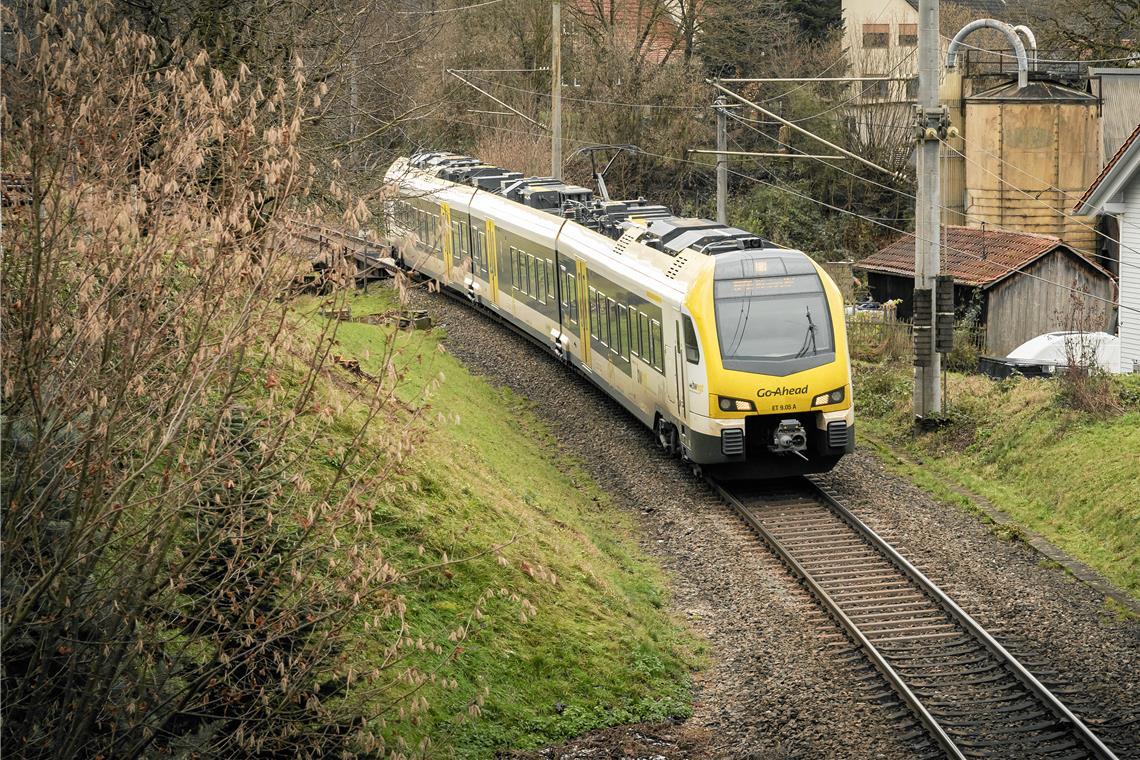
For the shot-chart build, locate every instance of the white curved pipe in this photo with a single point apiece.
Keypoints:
(1024, 31)
(1004, 28)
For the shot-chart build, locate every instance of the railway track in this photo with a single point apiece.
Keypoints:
(974, 699)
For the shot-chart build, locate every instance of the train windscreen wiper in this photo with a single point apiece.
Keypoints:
(809, 337)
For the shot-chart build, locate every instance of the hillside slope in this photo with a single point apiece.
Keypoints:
(1072, 476)
(486, 482)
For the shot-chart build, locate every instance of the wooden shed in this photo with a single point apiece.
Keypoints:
(1023, 284)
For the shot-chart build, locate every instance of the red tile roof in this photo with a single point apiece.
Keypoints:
(1108, 167)
(972, 256)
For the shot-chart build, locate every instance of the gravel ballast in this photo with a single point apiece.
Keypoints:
(777, 684)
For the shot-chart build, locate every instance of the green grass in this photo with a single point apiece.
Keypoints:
(1070, 476)
(601, 650)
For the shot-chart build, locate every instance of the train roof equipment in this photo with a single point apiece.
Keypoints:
(656, 225)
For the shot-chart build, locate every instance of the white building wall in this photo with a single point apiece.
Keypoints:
(1130, 277)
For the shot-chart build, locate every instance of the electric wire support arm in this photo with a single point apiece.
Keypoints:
(599, 176)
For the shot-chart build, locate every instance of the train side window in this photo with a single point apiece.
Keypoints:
(657, 345)
(643, 335)
(570, 297)
(515, 268)
(692, 350)
(614, 326)
(634, 338)
(593, 312)
(623, 332)
(604, 311)
(456, 255)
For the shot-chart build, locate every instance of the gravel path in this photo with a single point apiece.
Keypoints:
(776, 686)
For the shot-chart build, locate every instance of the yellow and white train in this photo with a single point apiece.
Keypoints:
(733, 350)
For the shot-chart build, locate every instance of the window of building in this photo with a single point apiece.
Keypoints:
(877, 88)
(876, 35)
(908, 35)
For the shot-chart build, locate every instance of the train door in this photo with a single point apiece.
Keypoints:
(492, 254)
(676, 387)
(584, 327)
(693, 380)
(446, 247)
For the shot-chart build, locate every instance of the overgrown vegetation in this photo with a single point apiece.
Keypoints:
(216, 541)
(1066, 472)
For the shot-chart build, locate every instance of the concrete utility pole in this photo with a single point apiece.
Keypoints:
(556, 91)
(930, 125)
(721, 161)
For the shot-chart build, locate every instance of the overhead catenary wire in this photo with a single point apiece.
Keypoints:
(1123, 59)
(911, 195)
(1064, 214)
(800, 129)
(968, 254)
(439, 11)
(598, 101)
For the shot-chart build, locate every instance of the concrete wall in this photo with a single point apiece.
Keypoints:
(1020, 307)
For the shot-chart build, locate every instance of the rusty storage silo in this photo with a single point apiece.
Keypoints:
(1030, 153)
(952, 151)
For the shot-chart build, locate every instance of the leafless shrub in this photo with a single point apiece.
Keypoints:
(173, 583)
(1083, 384)
(518, 151)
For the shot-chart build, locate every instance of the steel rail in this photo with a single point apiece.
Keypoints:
(963, 618)
(877, 659)
(894, 680)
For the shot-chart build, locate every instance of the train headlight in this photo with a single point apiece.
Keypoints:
(831, 397)
(735, 404)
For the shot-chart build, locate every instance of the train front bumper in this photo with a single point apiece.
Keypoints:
(747, 439)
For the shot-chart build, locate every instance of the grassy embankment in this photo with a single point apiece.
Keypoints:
(1072, 476)
(602, 648)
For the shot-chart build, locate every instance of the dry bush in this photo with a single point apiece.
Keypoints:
(172, 582)
(515, 150)
(1083, 384)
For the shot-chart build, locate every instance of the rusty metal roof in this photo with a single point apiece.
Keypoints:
(972, 256)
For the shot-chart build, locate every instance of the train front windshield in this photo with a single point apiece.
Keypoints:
(773, 319)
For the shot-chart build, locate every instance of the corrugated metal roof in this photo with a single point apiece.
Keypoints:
(1036, 91)
(1119, 91)
(972, 256)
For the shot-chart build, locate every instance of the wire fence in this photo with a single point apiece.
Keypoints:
(884, 338)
